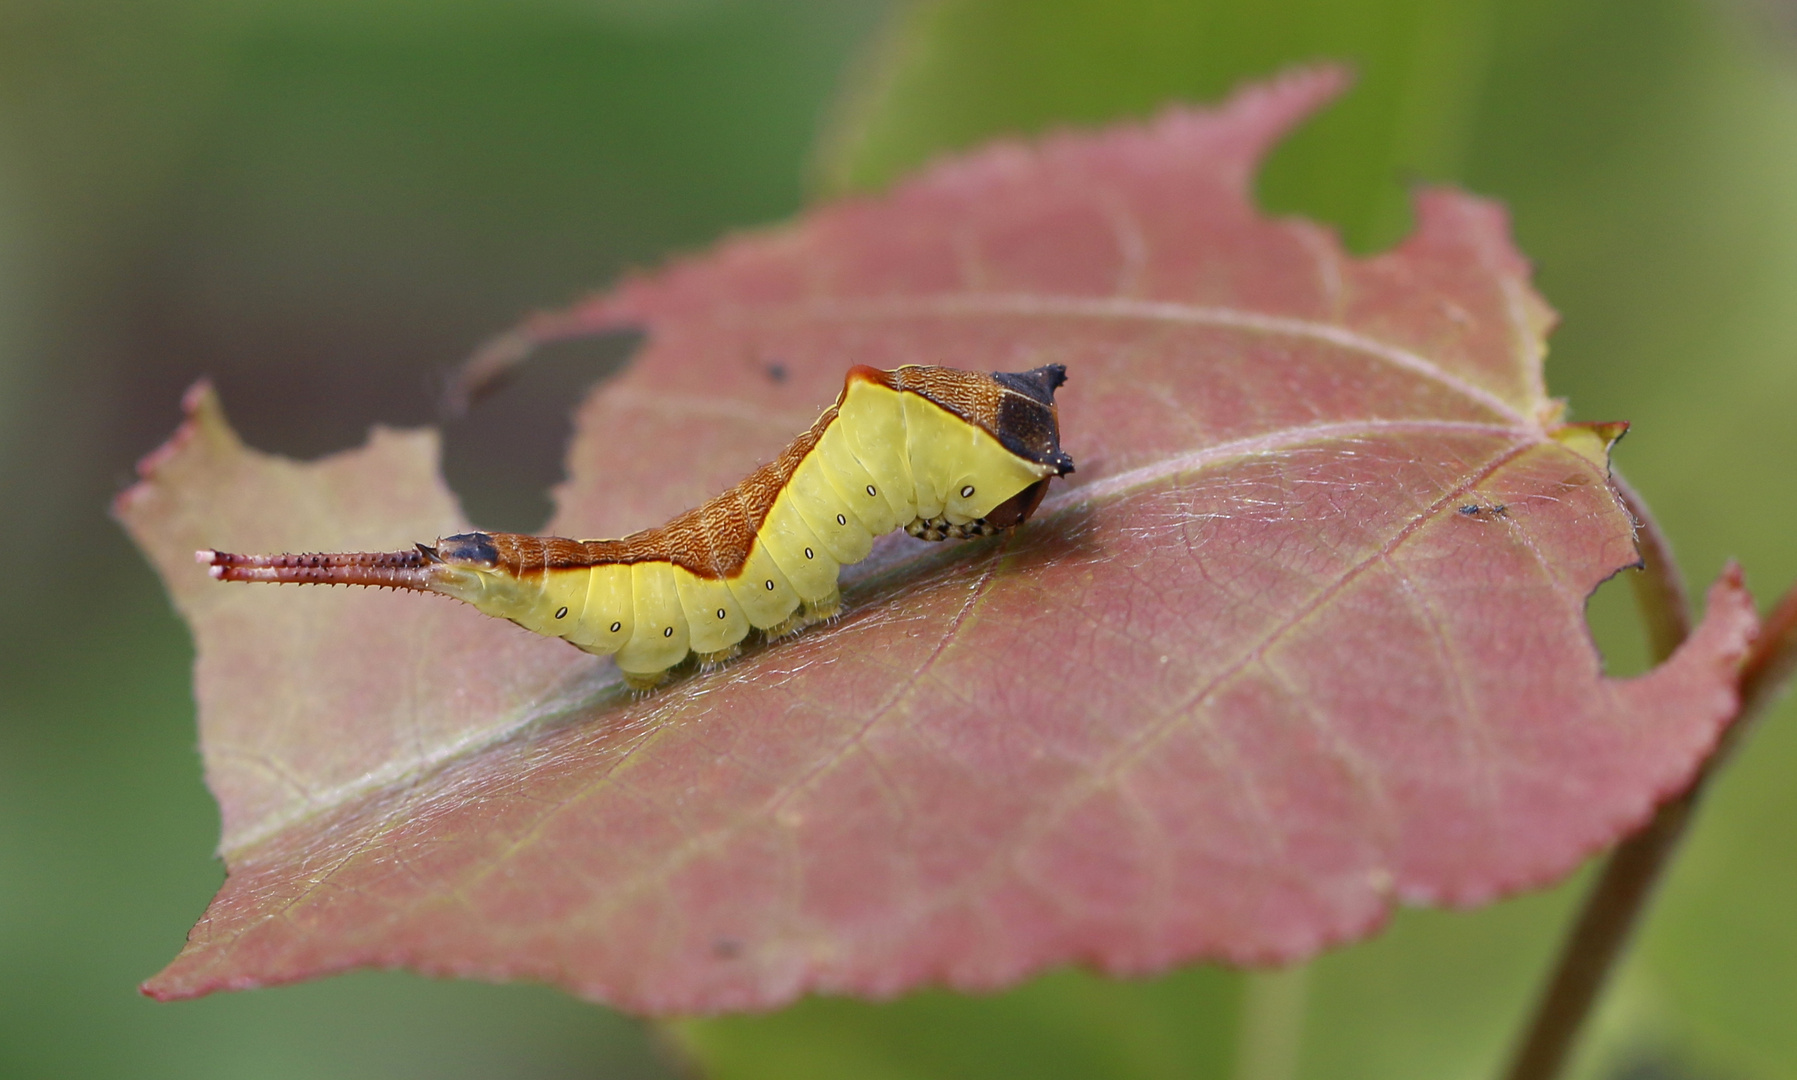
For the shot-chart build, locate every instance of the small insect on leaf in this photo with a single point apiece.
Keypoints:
(929, 437)
(1475, 510)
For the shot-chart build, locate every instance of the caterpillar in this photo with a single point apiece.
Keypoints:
(939, 451)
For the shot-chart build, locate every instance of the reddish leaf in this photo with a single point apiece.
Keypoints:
(1302, 638)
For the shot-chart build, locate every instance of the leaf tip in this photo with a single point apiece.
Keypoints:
(1592, 441)
(1729, 607)
(203, 421)
(1701, 680)
(1256, 116)
(158, 988)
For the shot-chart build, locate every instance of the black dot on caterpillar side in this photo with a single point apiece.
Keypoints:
(770, 584)
(561, 613)
(841, 520)
(617, 626)
(722, 613)
(669, 632)
(967, 492)
(809, 554)
(871, 492)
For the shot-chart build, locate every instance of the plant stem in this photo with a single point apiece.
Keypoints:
(1611, 910)
(1658, 586)
(1616, 902)
(1272, 1030)
(1769, 667)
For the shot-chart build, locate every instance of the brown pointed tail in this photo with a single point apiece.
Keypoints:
(387, 569)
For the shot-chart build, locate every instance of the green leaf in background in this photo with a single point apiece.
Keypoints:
(950, 74)
(1062, 1026)
(1648, 150)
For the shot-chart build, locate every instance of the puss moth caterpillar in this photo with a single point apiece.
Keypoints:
(943, 453)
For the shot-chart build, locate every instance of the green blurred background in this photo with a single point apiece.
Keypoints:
(324, 204)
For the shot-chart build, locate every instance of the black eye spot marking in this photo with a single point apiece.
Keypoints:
(871, 492)
(721, 613)
(669, 632)
(617, 626)
(561, 613)
(809, 554)
(840, 520)
(967, 492)
(770, 584)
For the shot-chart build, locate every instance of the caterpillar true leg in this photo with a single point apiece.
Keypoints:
(939, 452)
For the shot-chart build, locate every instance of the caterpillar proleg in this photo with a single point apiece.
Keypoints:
(937, 451)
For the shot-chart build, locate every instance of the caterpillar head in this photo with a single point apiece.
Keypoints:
(1025, 419)
(1017, 408)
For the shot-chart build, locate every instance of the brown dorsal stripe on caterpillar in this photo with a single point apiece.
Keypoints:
(937, 451)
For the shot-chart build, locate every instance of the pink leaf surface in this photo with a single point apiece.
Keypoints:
(1302, 638)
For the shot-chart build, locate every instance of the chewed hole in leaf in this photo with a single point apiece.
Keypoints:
(1615, 622)
(507, 448)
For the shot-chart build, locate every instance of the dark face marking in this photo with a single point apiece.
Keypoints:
(1037, 383)
(561, 613)
(669, 632)
(1027, 428)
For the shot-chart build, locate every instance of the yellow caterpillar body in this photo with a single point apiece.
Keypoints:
(940, 452)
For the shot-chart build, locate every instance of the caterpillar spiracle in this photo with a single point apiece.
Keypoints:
(938, 451)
